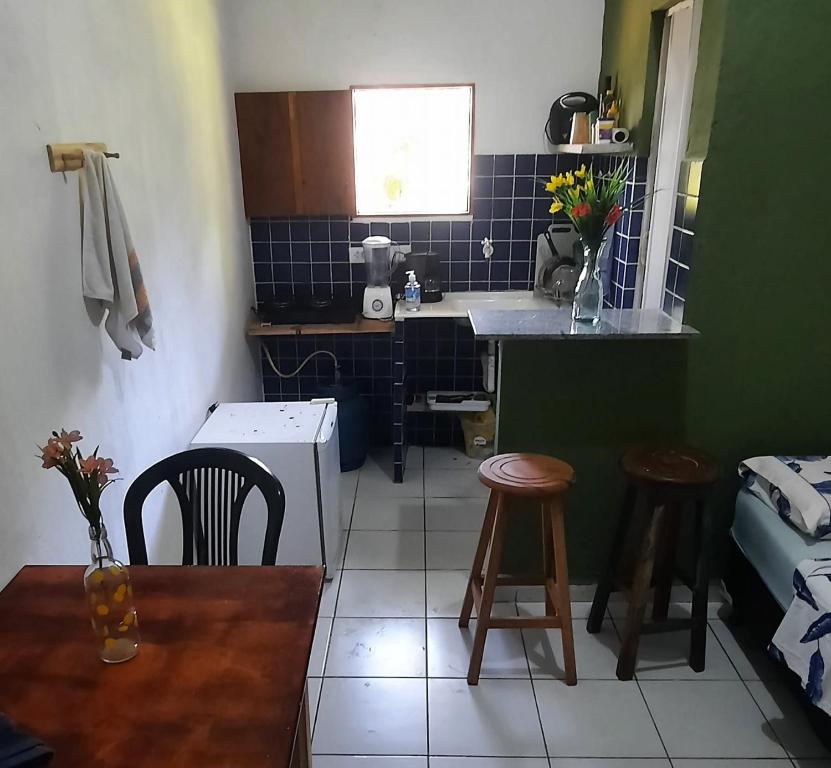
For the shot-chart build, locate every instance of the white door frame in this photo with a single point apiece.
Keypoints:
(666, 153)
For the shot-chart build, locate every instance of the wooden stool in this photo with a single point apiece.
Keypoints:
(547, 479)
(668, 479)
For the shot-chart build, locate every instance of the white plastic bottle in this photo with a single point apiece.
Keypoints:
(412, 293)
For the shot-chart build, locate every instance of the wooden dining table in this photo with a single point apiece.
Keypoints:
(219, 679)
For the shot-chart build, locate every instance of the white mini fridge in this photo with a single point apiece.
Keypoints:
(298, 442)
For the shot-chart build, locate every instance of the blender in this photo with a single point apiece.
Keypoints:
(377, 294)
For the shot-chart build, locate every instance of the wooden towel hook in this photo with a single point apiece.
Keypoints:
(70, 157)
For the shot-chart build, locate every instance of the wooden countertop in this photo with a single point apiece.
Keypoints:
(359, 325)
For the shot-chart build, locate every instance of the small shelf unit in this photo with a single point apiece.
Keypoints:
(359, 325)
(593, 149)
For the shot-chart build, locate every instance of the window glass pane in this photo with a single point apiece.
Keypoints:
(412, 150)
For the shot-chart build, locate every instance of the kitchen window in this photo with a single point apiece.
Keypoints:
(413, 150)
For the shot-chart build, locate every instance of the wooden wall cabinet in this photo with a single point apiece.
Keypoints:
(296, 153)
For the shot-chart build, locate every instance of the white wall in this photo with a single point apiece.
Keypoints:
(146, 77)
(521, 54)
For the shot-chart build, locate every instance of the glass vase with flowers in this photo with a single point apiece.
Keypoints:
(106, 580)
(592, 207)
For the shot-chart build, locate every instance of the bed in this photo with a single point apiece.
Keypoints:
(771, 546)
(764, 555)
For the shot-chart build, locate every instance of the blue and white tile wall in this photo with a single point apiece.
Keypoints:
(303, 256)
(626, 239)
(683, 229)
(509, 207)
(365, 359)
(439, 355)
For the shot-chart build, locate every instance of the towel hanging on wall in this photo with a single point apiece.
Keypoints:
(111, 275)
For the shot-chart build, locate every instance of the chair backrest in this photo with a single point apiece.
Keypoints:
(211, 486)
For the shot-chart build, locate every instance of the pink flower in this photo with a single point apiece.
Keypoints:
(52, 453)
(67, 438)
(89, 465)
(98, 468)
(105, 466)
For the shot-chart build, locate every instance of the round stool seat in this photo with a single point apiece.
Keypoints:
(526, 474)
(676, 465)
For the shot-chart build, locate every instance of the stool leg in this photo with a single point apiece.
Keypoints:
(478, 559)
(488, 588)
(555, 507)
(547, 557)
(698, 636)
(665, 561)
(637, 602)
(606, 583)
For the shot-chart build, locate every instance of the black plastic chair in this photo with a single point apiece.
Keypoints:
(211, 486)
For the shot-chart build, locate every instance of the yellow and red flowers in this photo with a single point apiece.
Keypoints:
(590, 204)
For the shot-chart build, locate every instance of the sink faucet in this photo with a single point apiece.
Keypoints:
(487, 247)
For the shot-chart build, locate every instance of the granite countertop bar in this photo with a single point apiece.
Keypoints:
(457, 304)
(556, 324)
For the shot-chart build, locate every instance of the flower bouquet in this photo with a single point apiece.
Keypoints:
(593, 208)
(106, 580)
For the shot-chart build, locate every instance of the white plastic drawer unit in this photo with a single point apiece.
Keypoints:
(298, 442)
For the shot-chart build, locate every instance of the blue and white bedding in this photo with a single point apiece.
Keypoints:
(803, 639)
(798, 487)
(772, 546)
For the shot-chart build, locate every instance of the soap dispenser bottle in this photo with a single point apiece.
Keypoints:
(412, 293)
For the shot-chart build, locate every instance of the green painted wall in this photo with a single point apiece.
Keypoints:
(759, 378)
(584, 401)
(760, 284)
(631, 52)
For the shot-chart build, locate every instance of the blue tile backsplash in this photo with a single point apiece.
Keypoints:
(365, 359)
(626, 239)
(302, 256)
(683, 230)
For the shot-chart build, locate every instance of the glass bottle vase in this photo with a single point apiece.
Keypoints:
(588, 296)
(110, 601)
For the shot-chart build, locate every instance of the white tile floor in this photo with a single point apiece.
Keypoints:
(387, 674)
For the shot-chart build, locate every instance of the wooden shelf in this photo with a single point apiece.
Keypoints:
(592, 149)
(360, 325)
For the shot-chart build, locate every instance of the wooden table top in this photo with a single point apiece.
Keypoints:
(218, 680)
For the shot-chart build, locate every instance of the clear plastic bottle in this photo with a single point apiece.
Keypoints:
(412, 293)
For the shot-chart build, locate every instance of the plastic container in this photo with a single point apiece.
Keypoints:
(353, 424)
(412, 293)
(480, 430)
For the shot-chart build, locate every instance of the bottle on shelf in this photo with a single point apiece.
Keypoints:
(606, 100)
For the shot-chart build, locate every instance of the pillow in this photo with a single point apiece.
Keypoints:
(799, 487)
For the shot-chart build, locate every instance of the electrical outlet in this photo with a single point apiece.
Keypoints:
(356, 252)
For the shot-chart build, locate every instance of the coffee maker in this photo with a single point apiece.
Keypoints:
(377, 260)
(425, 264)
